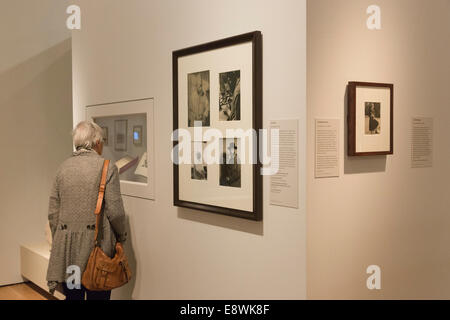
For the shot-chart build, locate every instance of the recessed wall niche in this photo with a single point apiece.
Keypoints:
(128, 142)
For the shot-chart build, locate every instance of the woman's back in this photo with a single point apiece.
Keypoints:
(71, 214)
(79, 179)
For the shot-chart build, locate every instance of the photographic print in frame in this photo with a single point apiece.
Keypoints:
(198, 98)
(230, 96)
(120, 135)
(230, 167)
(370, 119)
(199, 169)
(207, 83)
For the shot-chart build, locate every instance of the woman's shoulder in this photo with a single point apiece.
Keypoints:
(82, 160)
(78, 165)
(112, 170)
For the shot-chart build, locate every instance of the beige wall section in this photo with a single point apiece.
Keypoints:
(36, 119)
(380, 211)
(124, 51)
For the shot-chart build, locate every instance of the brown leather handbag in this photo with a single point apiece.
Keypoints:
(103, 273)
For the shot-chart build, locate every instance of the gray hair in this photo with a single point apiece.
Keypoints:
(86, 135)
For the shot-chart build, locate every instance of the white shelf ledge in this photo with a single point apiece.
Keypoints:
(34, 259)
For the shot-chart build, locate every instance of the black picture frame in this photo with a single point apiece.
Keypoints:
(256, 39)
(352, 119)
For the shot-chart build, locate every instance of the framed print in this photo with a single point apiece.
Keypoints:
(136, 164)
(137, 135)
(370, 119)
(217, 87)
(120, 135)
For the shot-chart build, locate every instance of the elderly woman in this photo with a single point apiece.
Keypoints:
(71, 213)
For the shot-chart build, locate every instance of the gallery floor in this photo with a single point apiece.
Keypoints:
(22, 291)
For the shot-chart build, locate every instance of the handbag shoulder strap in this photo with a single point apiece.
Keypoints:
(101, 194)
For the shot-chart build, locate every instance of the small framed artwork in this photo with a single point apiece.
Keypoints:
(105, 136)
(218, 86)
(120, 135)
(370, 119)
(137, 135)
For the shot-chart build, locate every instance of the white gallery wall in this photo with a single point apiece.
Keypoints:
(36, 120)
(380, 211)
(124, 51)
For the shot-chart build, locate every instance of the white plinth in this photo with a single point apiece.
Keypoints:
(34, 263)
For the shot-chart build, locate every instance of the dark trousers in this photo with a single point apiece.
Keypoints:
(80, 294)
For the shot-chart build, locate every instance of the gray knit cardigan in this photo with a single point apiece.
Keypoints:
(71, 214)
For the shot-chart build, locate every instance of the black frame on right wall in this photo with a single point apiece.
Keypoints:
(352, 120)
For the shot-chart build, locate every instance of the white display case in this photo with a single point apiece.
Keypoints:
(129, 143)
